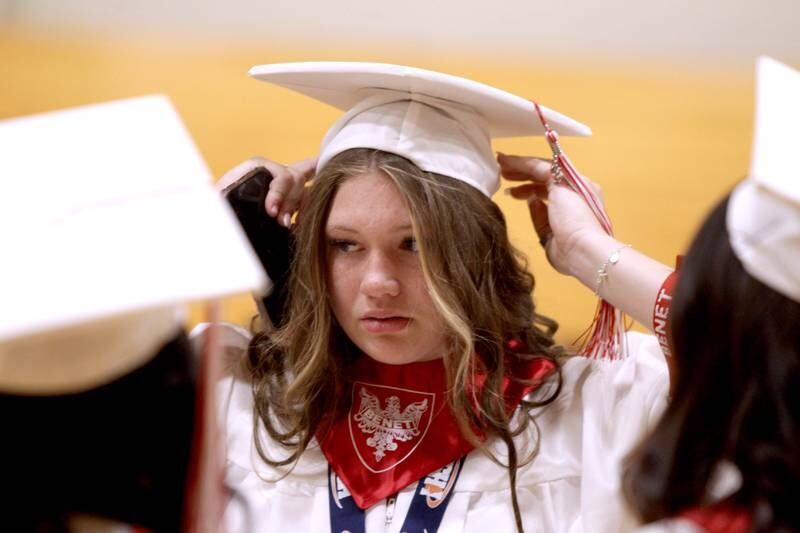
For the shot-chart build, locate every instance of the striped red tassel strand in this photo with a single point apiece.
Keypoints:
(605, 337)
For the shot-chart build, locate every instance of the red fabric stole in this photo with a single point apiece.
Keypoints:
(399, 427)
(720, 518)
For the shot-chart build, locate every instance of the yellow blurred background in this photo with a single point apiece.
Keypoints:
(670, 137)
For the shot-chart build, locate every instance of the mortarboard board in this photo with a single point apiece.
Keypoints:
(763, 216)
(109, 220)
(442, 123)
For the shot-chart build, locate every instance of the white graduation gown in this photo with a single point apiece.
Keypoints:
(572, 485)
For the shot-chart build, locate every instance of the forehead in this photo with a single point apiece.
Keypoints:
(368, 199)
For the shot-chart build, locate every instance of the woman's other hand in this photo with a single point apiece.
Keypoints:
(287, 188)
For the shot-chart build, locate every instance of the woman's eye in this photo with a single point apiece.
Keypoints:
(410, 244)
(342, 245)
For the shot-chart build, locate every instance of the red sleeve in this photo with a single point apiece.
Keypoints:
(661, 312)
(662, 307)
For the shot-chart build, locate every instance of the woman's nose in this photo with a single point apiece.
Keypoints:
(380, 278)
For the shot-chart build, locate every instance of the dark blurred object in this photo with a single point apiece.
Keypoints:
(120, 451)
(271, 241)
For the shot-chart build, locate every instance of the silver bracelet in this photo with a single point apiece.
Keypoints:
(602, 272)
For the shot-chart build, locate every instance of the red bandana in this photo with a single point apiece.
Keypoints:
(399, 427)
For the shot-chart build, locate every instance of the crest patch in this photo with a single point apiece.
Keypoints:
(389, 423)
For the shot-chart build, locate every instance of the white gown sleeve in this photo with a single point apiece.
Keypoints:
(573, 483)
(262, 498)
(621, 401)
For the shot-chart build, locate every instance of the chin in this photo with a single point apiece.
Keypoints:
(394, 355)
(389, 358)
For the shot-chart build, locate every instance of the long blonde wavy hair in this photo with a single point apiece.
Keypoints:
(479, 284)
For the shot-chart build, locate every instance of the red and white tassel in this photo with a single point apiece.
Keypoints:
(605, 337)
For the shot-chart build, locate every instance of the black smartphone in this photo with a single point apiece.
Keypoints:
(272, 242)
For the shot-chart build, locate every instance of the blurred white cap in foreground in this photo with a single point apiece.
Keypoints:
(108, 223)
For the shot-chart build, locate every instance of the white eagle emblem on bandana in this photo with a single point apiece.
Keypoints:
(388, 426)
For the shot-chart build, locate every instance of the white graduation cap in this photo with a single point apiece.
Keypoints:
(763, 215)
(442, 123)
(108, 222)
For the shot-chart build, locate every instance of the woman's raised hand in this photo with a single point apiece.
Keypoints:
(576, 243)
(562, 219)
(287, 189)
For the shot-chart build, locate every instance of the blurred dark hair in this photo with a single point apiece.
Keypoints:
(736, 393)
(119, 451)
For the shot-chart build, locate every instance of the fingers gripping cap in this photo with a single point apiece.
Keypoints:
(442, 123)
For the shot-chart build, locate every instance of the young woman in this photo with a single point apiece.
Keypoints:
(412, 384)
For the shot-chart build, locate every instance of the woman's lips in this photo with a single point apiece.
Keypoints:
(385, 325)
